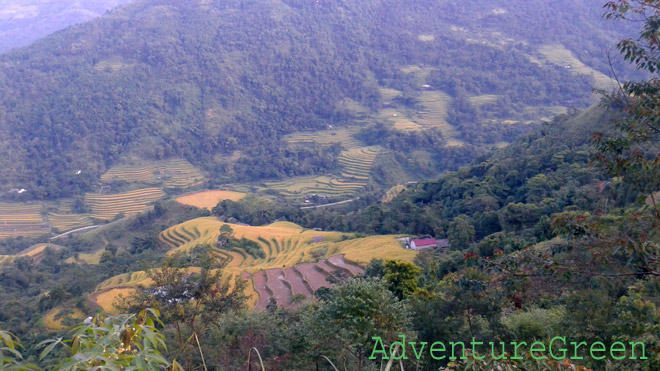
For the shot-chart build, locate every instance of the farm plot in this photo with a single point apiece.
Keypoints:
(297, 261)
(434, 115)
(281, 285)
(343, 136)
(108, 206)
(322, 186)
(209, 199)
(480, 100)
(21, 219)
(174, 173)
(36, 252)
(389, 95)
(107, 298)
(357, 162)
(66, 222)
(399, 118)
(61, 318)
(559, 55)
(285, 246)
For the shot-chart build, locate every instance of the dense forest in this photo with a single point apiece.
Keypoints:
(202, 80)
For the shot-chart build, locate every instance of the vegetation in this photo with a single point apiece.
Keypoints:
(315, 79)
(564, 218)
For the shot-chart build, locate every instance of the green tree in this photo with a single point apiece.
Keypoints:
(461, 232)
(402, 277)
(359, 310)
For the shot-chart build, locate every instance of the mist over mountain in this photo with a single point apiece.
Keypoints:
(212, 81)
(22, 22)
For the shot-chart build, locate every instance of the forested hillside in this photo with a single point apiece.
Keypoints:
(221, 84)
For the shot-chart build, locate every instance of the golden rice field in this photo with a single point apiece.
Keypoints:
(285, 245)
(53, 319)
(343, 136)
(174, 173)
(209, 199)
(125, 280)
(21, 219)
(320, 185)
(559, 55)
(108, 206)
(106, 299)
(88, 258)
(35, 252)
(357, 162)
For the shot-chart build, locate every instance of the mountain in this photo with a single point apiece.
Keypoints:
(22, 22)
(222, 83)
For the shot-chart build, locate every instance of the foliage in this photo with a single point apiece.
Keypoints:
(358, 310)
(239, 88)
(114, 343)
(189, 301)
(402, 277)
(11, 358)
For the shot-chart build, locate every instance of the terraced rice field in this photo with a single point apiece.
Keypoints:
(563, 57)
(21, 219)
(399, 118)
(132, 279)
(343, 136)
(209, 199)
(357, 162)
(66, 222)
(174, 173)
(285, 245)
(321, 185)
(434, 115)
(108, 206)
(293, 264)
(281, 285)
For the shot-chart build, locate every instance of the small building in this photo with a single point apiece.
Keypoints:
(317, 239)
(427, 243)
(423, 244)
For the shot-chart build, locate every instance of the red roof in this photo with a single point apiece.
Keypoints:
(425, 242)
